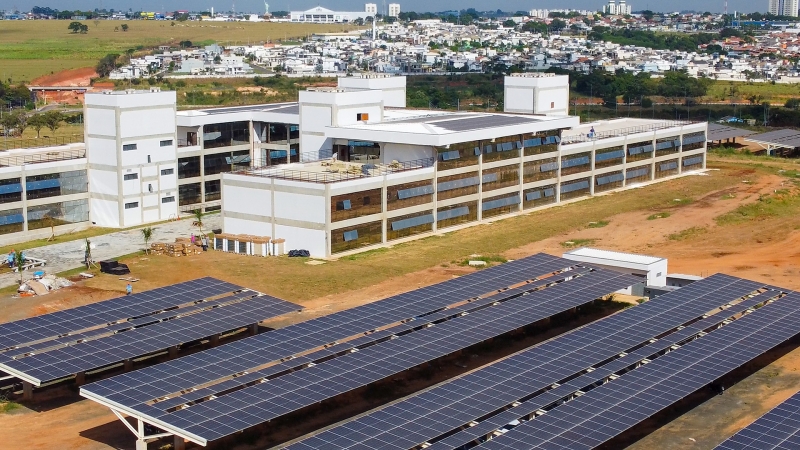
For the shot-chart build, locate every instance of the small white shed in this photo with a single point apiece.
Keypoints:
(652, 269)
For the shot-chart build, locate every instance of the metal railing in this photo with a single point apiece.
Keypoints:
(18, 160)
(585, 137)
(13, 144)
(352, 171)
(187, 143)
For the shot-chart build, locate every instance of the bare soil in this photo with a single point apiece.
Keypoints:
(763, 250)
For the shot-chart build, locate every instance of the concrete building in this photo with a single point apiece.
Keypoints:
(131, 140)
(783, 7)
(536, 93)
(621, 8)
(397, 174)
(394, 10)
(652, 269)
(324, 15)
(371, 9)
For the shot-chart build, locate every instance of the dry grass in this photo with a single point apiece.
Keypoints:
(34, 48)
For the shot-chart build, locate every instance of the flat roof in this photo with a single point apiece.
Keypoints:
(719, 132)
(604, 129)
(610, 255)
(287, 112)
(786, 138)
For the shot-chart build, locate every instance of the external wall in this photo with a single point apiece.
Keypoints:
(536, 94)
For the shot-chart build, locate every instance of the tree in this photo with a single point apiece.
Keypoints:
(147, 234)
(558, 24)
(792, 103)
(107, 64)
(509, 23)
(53, 120)
(19, 263)
(198, 220)
(75, 27)
(37, 122)
(125, 27)
(16, 121)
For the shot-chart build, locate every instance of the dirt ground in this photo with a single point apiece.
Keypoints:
(765, 250)
(72, 77)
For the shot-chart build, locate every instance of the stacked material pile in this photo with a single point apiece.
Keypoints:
(181, 247)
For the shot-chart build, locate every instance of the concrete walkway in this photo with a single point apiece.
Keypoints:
(69, 255)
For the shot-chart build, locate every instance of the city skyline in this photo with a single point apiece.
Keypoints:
(257, 6)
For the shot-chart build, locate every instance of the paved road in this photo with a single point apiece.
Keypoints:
(69, 255)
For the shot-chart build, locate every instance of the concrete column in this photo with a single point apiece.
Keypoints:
(179, 443)
(80, 378)
(127, 365)
(173, 351)
(27, 391)
(254, 329)
(213, 341)
(141, 444)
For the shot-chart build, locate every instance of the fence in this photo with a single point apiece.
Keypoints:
(575, 138)
(12, 144)
(364, 171)
(18, 160)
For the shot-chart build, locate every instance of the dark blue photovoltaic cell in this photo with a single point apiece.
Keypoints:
(244, 401)
(429, 416)
(779, 429)
(196, 310)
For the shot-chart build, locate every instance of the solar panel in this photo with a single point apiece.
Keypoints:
(783, 138)
(777, 429)
(168, 396)
(206, 307)
(431, 416)
(468, 123)
(613, 408)
(718, 132)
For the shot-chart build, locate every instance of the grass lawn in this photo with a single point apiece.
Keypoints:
(777, 93)
(34, 48)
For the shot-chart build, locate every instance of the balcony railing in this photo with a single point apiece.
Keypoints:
(18, 160)
(12, 144)
(338, 171)
(584, 137)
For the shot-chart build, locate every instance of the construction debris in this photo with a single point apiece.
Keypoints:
(43, 286)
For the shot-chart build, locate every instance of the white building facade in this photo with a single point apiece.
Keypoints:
(394, 10)
(783, 7)
(324, 15)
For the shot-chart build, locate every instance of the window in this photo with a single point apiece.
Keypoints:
(149, 188)
(170, 199)
(148, 159)
(130, 176)
(165, 172)
(350, 235)
(365, 201)
(552, 105)
(165, 143)
(126, 147)
(131, 205)
(362, 116)
(343, 205)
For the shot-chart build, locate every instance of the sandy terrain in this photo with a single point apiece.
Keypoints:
(763, 252)
(73, 77)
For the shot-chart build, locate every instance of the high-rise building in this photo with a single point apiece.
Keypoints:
(783, 7)
(621, 8)
(394, 9)
(371, 9)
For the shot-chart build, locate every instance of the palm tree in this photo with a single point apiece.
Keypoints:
(198, 220)
(147, 234)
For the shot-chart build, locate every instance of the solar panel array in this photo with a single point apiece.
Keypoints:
(779, 429)
(783, 138)
(534, 379)
(61, 344)
(613, 408)
(217, 392)
(718, 132)
(482, 121)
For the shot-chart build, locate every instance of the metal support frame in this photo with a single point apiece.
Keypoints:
(141, 437)
(213, 340)
(27, 391)
(253, 329)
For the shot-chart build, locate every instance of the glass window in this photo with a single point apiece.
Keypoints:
(500, 177)
(55, 214)
(226, 162)
(130, 176)
(165, 143)
(226, 134)
(403, 226)
(355, 204)
(131, 205)
(167, 172)
(354, 237)
(10, 191)
(213, 190)
(11, 221)
(189, 167)
(126, 147)
(456, 214)
(539, 196)
(459, 155)
(189, 194)
(170, 199)
(55, 184)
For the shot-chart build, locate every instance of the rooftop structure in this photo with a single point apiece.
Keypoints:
(653, 269)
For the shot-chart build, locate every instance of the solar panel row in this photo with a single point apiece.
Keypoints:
(613, 408)
(230, 412)
(778, 429)
(430, 416)
(150, 335)
(135, 392)
(54, 325)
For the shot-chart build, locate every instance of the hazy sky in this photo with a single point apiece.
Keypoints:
(410, 5)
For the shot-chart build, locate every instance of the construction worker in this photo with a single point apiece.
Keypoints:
(128, 289)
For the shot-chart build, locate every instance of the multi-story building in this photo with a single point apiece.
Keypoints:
(621, 8)
(324, 15)
(394, 10)
(783, 7)
(371, 9)
(341, 170)
(395, 173)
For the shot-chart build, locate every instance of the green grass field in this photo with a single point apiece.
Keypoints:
(29, 49)
(777, 94)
